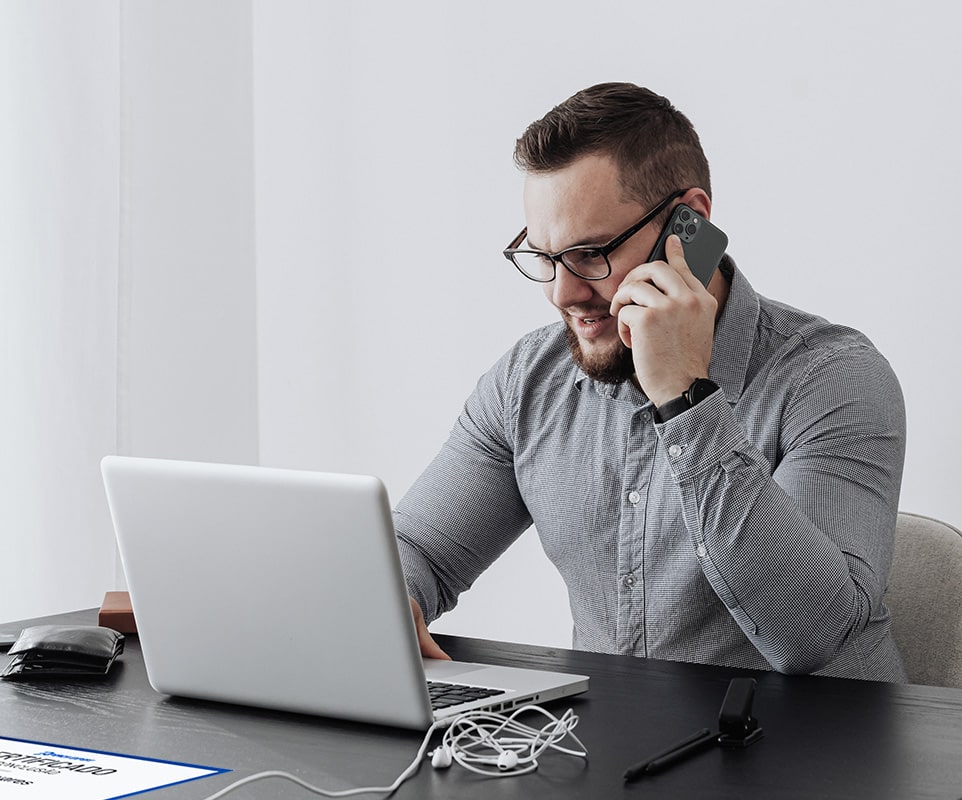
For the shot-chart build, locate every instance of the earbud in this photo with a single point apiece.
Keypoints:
(507, 760)
(441, 757)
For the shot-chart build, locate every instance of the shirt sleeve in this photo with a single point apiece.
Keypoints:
(798, 546)
(465, 509)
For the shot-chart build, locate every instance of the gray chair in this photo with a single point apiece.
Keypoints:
(925, 597)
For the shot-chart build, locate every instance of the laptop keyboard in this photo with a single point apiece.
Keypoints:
(444, 695)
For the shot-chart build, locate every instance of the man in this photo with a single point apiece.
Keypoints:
(715, 475)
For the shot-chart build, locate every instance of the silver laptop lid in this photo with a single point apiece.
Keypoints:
(268, 587)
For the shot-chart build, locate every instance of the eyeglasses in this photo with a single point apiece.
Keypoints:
(589, 262)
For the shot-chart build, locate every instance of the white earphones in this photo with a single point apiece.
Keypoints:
(474, 740)
(507, 760)
(477, 741)
(441, 757)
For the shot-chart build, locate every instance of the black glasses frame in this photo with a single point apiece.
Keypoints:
(603, 250)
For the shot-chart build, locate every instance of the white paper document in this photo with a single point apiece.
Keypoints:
(47, 771)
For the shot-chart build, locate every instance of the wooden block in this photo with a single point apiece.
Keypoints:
(116, 613)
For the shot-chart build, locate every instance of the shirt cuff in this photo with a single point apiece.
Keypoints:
(700, 438)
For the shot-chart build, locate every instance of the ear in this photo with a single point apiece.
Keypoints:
(698, 200)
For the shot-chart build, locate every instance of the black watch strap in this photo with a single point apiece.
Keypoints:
(698, 391)
(672, 408)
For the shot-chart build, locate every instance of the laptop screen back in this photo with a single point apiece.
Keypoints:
(268, 587)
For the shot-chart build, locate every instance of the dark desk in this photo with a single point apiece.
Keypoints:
(824, 738)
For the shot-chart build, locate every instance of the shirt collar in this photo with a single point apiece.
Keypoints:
(734, 333)
(613, 391)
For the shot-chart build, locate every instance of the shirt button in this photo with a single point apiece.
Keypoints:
(702, 552)
(675, 450)
(646, 417)
(634, 498)
(628, 580)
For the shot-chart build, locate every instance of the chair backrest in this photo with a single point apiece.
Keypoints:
(925, 598)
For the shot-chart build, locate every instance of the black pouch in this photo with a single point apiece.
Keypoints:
(63, 650)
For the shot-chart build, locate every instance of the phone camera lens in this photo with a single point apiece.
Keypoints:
(685, 215)
(690, 229)
(678, 228)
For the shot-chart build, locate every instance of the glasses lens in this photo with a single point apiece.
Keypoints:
(586, 262)
(536, 266)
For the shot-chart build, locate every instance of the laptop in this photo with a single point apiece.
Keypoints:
(283, 589)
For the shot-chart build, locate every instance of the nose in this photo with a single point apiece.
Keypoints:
(567, 289)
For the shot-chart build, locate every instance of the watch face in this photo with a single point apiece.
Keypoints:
(701, 389)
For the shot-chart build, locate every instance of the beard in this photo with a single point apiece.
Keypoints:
(614, 365)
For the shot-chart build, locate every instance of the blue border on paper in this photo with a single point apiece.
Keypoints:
(211, 770)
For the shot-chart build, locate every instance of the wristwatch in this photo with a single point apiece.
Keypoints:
(698, 391)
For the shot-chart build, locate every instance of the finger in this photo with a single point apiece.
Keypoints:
(635, 292)
(647, 285)
(628, 316)
(675, 254)
(429, 648)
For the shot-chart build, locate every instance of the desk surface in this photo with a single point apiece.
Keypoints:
(824, 737)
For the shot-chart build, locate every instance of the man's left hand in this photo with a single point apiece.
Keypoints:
(667, 318)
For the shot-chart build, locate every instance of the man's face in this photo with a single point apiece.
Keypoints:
(584, 203)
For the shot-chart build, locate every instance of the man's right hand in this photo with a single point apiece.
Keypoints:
(429, 647)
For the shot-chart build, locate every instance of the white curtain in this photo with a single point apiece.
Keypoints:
(59, 220)
(126, 269)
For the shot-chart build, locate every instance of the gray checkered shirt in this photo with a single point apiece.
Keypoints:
(753, 530)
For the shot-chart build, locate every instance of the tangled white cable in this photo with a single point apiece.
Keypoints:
(489, 744)
(500, 746)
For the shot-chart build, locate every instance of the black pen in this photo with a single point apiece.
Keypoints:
(697, 741)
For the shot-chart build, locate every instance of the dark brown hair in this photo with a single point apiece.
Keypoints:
(654, 145)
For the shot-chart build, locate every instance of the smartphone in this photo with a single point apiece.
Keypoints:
(703, 243)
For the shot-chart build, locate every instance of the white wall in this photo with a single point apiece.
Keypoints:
(360, 155)
(187, 372)
(385, 193)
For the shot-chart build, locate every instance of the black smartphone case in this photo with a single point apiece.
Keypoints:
(703, 243)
